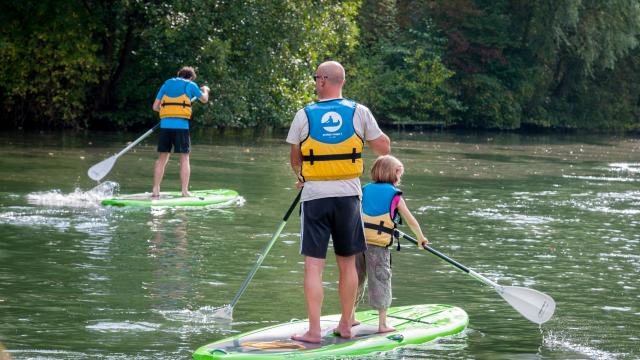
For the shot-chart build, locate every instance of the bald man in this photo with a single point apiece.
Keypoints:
(327, 138)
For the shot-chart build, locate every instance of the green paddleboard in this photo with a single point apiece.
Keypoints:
(414, 324)
(175, 198)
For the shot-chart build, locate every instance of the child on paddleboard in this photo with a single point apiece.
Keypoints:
(382, 206)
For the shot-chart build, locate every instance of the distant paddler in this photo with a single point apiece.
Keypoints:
(174, 103)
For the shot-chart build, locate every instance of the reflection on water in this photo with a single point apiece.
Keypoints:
(560, 215)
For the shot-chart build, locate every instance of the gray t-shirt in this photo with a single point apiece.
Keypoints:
(365, 126)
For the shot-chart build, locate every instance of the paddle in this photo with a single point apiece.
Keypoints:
(101, 169)
(226, 312)
(534, 305)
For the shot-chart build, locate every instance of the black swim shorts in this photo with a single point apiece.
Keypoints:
(338, 217)
(178, 139)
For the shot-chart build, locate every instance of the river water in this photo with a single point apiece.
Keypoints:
(560, 214)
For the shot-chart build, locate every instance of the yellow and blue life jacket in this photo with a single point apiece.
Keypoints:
(176, 107)
(379, 219)
(332, 150)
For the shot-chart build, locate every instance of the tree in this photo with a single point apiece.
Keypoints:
(48, 61)
(397, 69)
(93, 63)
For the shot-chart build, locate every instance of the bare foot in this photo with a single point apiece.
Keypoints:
(354, 323)
(307, 337)
(155, 196)
(187, 194)
(343, 332)
(385, 329)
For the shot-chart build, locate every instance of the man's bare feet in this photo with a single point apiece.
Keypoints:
(307, 337)
(385, 329)
(155, 196)
(343, 332)
(353, 324)
(187, 194)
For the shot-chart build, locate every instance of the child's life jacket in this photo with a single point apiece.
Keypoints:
(380, 220)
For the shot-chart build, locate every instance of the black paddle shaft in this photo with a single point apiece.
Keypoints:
(434, 252)
(293, 206)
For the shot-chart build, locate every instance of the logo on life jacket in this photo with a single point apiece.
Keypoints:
(332, 150)
(332, 121)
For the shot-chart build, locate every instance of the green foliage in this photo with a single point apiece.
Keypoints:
(495, 64)
(397, 69)
(541, 63)
(48, 60)
(100, 64)
(591, 42)
(257, 76)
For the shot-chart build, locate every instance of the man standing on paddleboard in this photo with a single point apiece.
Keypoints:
(173, 102)
(327, 138)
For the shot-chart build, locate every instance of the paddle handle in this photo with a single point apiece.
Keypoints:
(265, 251)
(451, 261)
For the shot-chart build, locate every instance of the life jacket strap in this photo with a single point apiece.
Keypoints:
(183, 104)
(379, 227)
(311, 158)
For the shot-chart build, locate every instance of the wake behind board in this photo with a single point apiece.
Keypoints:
(414, 324)
(175, 198)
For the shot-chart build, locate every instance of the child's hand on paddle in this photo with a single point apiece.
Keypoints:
(422, 242)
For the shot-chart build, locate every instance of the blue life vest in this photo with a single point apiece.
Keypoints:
(379, 220)
(332, 150)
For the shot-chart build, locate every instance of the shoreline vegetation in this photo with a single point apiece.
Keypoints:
(417, 64)
(210, 133)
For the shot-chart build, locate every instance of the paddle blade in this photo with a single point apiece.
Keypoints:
(224, 313)
(534, 305)
(101, 169)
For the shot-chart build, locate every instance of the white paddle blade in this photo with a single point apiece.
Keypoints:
(534, 305)
(101, 169)
(224, 313)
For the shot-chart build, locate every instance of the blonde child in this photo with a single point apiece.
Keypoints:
(382, 206)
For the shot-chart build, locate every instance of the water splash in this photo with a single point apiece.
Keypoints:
(123, 326)
(555, 341)
(204, 315)
(77, 198)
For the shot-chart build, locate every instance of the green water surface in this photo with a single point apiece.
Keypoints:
(560, 214)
